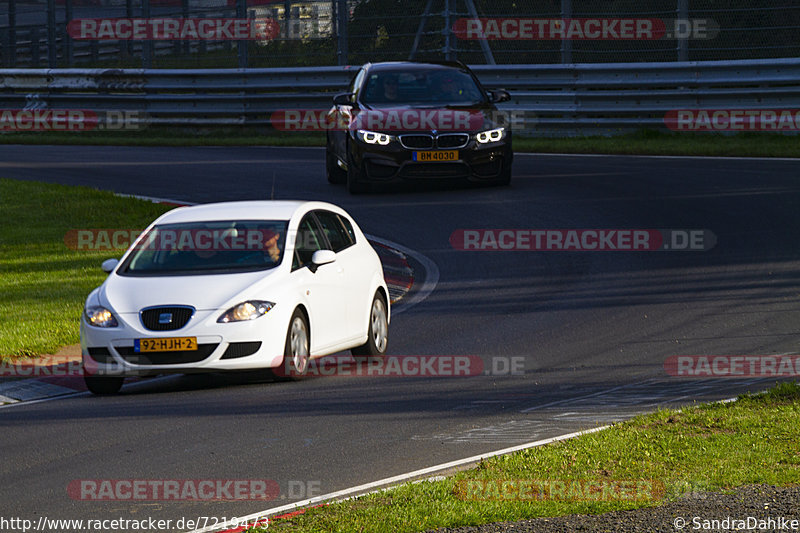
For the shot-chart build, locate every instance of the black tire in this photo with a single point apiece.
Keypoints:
(377, 331)
(103, 386)
(295, 349)
(335, 174)
(353, 176)
(505, 176)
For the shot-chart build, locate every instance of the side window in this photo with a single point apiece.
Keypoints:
(348, 227)
(309, 240)
(335, 230)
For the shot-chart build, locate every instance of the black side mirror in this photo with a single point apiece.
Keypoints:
(343, 99)
(500, 95)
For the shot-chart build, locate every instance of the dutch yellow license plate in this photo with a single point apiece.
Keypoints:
(436, 155)
(167, 344)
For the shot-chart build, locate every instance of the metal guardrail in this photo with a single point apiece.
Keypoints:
(552, 98)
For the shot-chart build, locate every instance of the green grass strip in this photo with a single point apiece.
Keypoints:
(700, 448)
(44, 283)
(646, 142)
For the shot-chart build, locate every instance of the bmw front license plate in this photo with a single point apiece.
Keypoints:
(168, 344)
(436, 155)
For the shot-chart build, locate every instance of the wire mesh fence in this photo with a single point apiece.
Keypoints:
(104, 33)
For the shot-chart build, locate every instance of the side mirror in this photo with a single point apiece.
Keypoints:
(109, 265)
(343, 99)
(323, 257)
(500, 95)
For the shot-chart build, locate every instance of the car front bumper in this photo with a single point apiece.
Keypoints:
(394, 163)
(244, 345)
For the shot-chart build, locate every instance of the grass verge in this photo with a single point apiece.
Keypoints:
(645, 142)
(700, 448)
(43, 282)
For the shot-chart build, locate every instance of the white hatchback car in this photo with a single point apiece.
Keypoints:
(236, 286)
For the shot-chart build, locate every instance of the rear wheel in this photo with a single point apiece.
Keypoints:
(103, 385)
(378, 331)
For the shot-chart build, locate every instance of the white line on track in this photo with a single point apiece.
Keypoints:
(545, 154)
(389, 481)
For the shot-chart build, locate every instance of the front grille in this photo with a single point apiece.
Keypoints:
(452, 140)
(417, 142)
(241, 349)
(167, 358)
(435, 170)
(154, 318)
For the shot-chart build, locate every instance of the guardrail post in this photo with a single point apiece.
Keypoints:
(566, 44)
(33, 36)
(12, 33)
(147, 46)
(187, 46)
(94, 50)
(68, 49)
(287, 18)
(342, 19)
(127, 46)
(683, 41)
(448, 32)
(241, 45)
(52, 53)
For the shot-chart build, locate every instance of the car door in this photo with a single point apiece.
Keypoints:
(354, 274)
(343, 114)
(321, 285)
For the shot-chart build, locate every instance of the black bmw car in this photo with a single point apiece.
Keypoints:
(417, 121)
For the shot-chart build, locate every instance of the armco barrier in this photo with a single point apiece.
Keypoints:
(554, 98)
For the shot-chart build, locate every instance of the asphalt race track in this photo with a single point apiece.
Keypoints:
(592, 330)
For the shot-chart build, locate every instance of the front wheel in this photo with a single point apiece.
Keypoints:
(354, 186)
(103, 385)
(334, 173)
(296, 348)
(505, 176)
(378, 331)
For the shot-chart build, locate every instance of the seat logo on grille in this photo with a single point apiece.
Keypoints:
(165, 318)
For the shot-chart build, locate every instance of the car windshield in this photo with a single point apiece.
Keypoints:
(434, 87)
(207, 248)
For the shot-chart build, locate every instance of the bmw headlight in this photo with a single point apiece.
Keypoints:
(100, 317)
(491, 136)
(372, 137)
(249, 310)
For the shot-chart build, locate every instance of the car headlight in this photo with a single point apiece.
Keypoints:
(372, 137)
(100, 317)
(491, 136)
(249, 310)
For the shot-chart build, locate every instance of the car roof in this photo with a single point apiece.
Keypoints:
(243, 210)
(416, 65)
